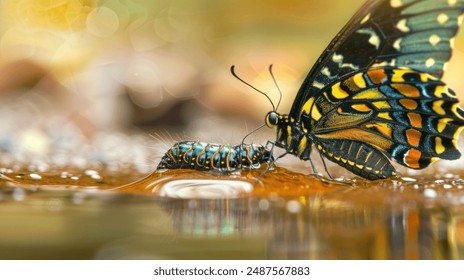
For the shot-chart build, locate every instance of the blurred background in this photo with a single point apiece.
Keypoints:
(96, 79)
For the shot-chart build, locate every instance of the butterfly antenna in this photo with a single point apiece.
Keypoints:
(277, 85)
(246, 136)
(253, 131)
(232, 70)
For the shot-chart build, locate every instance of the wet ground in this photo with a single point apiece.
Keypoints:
(184, 214)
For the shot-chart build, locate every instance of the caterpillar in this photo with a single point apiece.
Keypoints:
(204, 156)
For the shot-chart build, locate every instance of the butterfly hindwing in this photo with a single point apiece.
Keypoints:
(408, 115)
(358, 157)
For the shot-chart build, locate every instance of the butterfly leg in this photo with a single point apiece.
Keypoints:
(272, 160)
(325, 167)
(269, 165)
(313, 167)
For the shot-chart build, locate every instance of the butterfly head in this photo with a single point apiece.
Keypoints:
(272, 119)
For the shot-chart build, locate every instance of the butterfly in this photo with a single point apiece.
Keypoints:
(375, 93)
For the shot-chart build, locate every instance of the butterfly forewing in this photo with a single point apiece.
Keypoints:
(417, 34)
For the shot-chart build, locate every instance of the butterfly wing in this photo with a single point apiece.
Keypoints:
(417, 34)
(408, 115)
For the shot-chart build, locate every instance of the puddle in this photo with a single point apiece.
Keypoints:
(186, 214)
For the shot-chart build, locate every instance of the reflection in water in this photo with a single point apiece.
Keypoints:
(226, 216)
(322, 228)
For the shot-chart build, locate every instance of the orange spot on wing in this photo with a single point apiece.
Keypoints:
(406, 90)
(413, 137)
(408, 103)
(377, 76)
(361, 107)
(411, 158)
(415, 119)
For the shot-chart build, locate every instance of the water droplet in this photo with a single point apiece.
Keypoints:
(212, 189)
(451, 176)
(35, 176)
(447, 186)
(74, 178)
(430, 193)
(408, 179)
(90, 172)
(95, 177)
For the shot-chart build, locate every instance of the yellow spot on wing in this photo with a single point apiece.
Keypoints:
(369, 94)
(436, 106)
(385, 115)
(396, 3)
(439, 148)
(442, 18)
(383, 128)
(430, 62)
(359, 80)
(366, 18)
(442, 124)
(338, 92)
(434, 39)
(401, 25)
(315, 114)
(307, 106)
(442, 89)
(397, 44)
(397, 76)
(381, 104)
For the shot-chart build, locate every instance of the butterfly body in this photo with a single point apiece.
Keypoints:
(375, 93)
